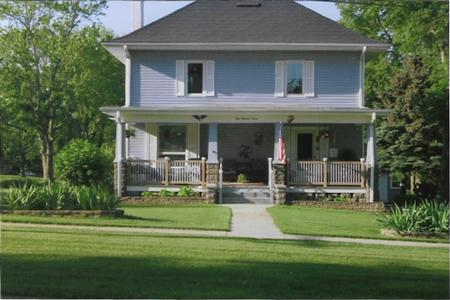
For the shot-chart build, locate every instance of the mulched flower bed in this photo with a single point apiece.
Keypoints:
(163, 200)
(395, 233)
(360, 206)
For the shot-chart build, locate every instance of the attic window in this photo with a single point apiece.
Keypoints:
(248, 3)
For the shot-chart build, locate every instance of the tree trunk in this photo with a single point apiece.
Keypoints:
(47, 158)
(444, 184)
(22, 155)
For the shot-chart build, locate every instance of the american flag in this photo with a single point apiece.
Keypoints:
(281, 146)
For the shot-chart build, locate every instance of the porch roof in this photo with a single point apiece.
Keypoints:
(239, 108)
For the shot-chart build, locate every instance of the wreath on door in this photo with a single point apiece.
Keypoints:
(245, 151)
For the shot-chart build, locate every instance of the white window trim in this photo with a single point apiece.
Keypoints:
(302, 62)
(186, 83)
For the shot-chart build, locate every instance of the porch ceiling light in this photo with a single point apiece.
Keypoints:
(199, 117)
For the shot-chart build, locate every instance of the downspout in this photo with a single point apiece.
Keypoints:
(362, 68)
(127, 76)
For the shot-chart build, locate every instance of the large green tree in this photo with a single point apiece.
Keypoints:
(410, 137)
(418, 33)
(54, 73)
(19, 149)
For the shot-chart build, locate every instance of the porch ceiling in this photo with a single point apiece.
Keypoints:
(242, 113)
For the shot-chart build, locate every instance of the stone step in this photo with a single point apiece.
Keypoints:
(242, 200)
(249, 195)
(258, 194)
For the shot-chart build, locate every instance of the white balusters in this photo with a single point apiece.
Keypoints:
(165, 171)
(326, 173)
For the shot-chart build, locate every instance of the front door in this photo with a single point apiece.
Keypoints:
(305, 146)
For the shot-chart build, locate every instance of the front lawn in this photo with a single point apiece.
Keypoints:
(206, 217)
(330, 222)
(41, 263)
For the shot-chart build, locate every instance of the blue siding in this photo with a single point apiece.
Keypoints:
(244, 77)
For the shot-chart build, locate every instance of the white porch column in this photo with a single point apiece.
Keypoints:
(212, 144)
(278, 129)
(372, 157)
(120, 159)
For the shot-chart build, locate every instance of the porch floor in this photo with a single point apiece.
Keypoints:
(326, 190)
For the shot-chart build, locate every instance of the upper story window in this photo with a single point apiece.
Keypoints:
(294, 75)
(294, 78)
(195, 78)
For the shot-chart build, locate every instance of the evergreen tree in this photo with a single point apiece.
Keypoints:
(410, 139)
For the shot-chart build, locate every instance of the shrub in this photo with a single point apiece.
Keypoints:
(7, 181)
(408, 198)
(303, 197)
(166, 193)
(242, 178)
(149, 194)
(426, 217)
(341, 198)
(58, 196)
(186, 191)
(82, 163)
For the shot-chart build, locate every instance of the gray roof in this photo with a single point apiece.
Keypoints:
(222, 21)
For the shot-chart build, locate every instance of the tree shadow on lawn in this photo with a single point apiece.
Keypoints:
(131, 217)
(59, 276)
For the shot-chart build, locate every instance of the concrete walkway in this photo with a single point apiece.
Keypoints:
(253, 220)
(210, 233)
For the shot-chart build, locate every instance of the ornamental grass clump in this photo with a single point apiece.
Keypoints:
(60, 196)
(92, 198)
(426, 217)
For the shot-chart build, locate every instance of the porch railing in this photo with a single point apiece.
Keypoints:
(349, 173)
(166, 172)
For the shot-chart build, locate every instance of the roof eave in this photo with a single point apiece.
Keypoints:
(116, 48)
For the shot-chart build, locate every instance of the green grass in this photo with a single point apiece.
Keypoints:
(42, 263)
(331, 222)
(206, 217)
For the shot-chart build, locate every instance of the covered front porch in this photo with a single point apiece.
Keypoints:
(326, 152)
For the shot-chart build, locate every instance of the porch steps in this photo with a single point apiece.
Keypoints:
(248, 194)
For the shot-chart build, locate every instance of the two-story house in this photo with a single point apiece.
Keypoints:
(214, 88)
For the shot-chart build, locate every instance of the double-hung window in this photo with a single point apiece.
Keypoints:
(195, 78)
(172, 141)
(294, 78)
